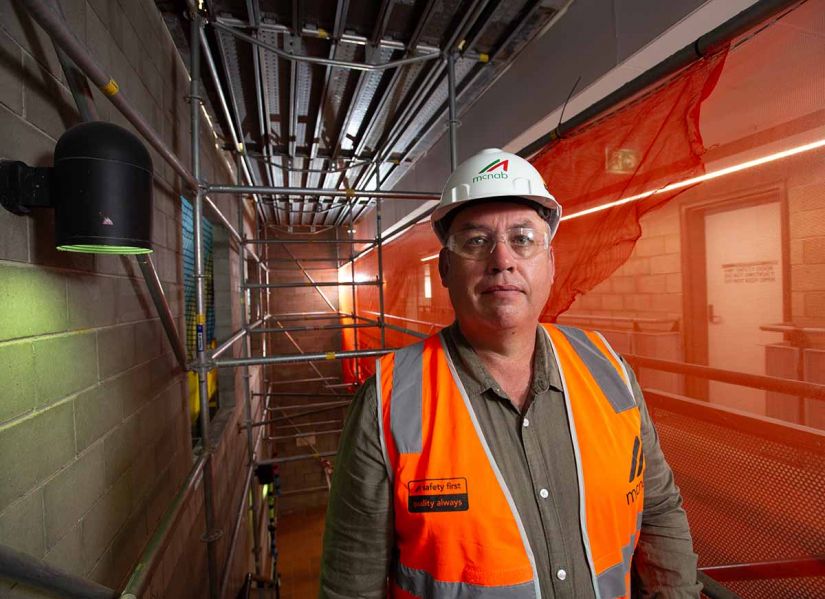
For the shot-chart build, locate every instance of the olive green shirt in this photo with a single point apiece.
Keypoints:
(534, 451)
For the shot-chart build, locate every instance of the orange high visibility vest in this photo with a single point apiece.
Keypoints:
(457, 530)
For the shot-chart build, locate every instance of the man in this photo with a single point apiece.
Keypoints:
(501, 457)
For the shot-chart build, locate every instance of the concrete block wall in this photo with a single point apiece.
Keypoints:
(94, 429)
(649, 284)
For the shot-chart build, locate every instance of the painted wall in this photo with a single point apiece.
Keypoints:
(94, 429)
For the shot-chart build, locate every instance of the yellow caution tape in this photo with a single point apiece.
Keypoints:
(483, 57)
(111, 88)
(330, 355)
(200, 319)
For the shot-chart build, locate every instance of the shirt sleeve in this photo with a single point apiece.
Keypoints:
(664, 564)
(358, 533)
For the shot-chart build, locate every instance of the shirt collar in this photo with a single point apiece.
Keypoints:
(477, 380)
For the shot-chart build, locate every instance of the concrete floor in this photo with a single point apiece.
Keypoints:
(299, 545)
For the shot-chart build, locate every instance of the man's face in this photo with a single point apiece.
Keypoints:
(502, 290)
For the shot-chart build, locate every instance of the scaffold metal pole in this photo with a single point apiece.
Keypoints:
(308, 241)
(245, 353)
(297, 359)
(212, 534)
(328, 327)
(298, 458)
(355, 336)
(313, 284)
(379, 244)
(453, 116)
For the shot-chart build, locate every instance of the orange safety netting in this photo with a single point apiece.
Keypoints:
(643, 146)
(713, 288)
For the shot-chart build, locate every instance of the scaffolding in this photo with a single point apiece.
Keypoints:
(255, 295)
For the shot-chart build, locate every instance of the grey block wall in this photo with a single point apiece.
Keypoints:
(94, 423)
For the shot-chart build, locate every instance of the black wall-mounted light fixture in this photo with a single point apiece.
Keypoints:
(100, 187)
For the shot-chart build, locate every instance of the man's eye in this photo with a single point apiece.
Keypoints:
(477, 241)
(521, 240)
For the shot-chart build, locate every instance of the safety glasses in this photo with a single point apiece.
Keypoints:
(478, 244)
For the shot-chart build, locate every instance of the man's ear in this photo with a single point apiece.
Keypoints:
(552, 265)
(444, 265)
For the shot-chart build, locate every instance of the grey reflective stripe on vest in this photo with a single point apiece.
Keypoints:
(380, 406)
(615, 389)
(421, 584)
(405, 407)
(612, 580)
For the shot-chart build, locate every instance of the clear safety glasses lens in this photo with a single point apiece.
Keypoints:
(478, 244)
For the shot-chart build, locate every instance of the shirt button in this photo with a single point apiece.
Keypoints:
(544, 493)
(525, 423)
(561, 574)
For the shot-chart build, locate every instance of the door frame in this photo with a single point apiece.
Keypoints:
(694, 268)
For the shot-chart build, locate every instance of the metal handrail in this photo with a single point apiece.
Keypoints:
(405, 319)
(765, 427)
(150, 558)
(754, 381)
(786, 568)
(712, 589)
(634, 322)
(789, 327)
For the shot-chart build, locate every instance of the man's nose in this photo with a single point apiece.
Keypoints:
(501, 258)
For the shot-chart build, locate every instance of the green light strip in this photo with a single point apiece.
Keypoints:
(104, 249)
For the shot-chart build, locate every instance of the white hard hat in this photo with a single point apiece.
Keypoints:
(494, 173)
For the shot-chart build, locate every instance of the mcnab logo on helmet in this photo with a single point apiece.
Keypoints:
(501, 166)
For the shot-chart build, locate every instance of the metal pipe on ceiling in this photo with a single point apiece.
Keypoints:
(703, 46)
(234, 134)
(389, 195)
(63, 37)
(261, 95)
(526, 15)
(316, 126)
(396, 77)
(451, 102)
(317, 33)
(423, 92)
(344, 64)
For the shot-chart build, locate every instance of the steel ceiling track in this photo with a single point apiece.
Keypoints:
(349, 94)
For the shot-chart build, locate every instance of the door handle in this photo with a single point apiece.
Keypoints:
(712, 318)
